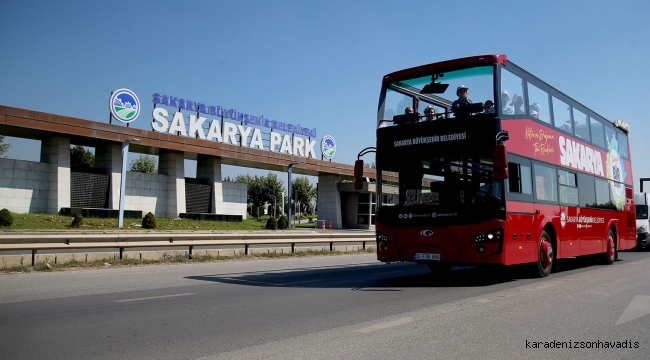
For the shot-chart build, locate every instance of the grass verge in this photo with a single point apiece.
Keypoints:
(41, 222)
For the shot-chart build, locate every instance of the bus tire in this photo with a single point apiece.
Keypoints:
(545, 255)
(609, 256)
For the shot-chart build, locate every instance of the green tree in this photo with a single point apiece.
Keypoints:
(263, 190)
(145, 164)
(273, 189)
(303, 192)
(255, 193)
(228, 179)
(81, 158)
(371, 165)
(3, 147)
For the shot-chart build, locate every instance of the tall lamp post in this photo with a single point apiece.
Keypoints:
(125, 153)
(289, 195)
(274, 206)
(289, 191)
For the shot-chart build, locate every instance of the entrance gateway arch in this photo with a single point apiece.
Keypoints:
(45, 186)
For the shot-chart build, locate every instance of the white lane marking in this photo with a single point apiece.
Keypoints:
(155, 297)
(639, 306)
(386, 325)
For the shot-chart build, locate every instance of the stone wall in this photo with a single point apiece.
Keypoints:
(231, 198)
(24, 186)
(146, 192)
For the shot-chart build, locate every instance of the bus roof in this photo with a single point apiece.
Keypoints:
(487, 59)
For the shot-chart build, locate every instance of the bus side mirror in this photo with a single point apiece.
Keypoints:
(500, 162)
(358, 174)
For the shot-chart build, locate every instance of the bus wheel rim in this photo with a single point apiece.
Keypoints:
(610, 246)
(546, 253)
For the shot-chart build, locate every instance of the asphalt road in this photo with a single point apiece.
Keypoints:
(347, 306)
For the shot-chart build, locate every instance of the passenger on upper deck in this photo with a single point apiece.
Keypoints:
(461, 106)
(430, 113)
(534, 110)
(567, 126)
(506, 108)
(408, 110)
(489, 107)
(517, 104)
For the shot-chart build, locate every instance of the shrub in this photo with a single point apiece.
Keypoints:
(283, 223)
(6, 219)
(77, 221)
(149, 221)
(272, 224)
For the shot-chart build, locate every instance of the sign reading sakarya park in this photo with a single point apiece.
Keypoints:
(227, 132)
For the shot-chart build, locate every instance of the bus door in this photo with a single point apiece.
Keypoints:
(570, 232)
(547, 199)
(521, 237)
(571, 235)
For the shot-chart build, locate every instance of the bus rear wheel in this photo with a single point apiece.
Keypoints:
(545, 255)
(610, 254)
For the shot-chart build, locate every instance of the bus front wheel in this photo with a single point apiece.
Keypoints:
(545, 255)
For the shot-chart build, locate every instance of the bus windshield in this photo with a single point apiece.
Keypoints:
(434, 185)
(436, 89)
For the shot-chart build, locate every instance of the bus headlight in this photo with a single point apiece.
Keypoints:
(492, 235)
(382, 238)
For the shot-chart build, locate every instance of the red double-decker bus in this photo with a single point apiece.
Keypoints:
(521, 174)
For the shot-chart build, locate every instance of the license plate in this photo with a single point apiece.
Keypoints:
(426, 256)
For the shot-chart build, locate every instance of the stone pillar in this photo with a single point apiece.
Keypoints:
(108, 157)
(209, 168)
(56, 152)
(329, 201)
(172, 165)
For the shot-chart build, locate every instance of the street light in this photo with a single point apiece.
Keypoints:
(274, 206)
(125, 153)
(289, 195)
(289, 190)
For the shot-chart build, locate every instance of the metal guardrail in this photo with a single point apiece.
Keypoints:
(36, 242)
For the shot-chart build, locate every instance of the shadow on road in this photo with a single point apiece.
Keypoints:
(367, 277)
(394, 277)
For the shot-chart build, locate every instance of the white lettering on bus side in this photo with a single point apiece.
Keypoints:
(580, 157)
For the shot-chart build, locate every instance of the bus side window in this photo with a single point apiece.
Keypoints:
(586, 190)
(545, 183)
(514, 178)
(568, 190)
(519, 179)
(540, 191)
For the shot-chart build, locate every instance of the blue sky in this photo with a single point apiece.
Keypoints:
(314, 63)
